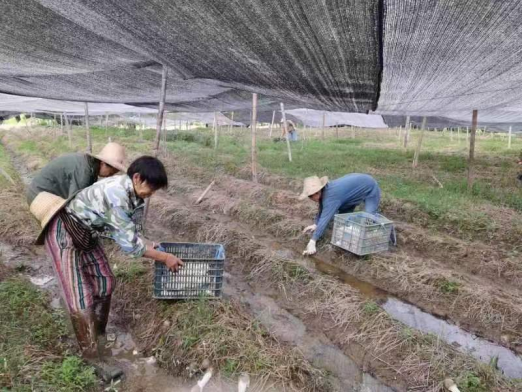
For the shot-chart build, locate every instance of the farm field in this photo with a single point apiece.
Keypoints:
(312, 322)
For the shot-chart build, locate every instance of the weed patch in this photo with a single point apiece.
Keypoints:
(31, 346)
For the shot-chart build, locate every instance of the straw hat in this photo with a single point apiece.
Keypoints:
(114, 155)
(44, 207)
(313, 184)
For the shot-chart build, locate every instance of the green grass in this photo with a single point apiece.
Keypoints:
(8, 171)
(371, 307)
(32, 355)
(496, 183)
(70, 375)
(470, 382)
(448, 287)
(130, 271)
(452, 206)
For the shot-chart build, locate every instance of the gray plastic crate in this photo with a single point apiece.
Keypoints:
(361, 233)
(200, 276)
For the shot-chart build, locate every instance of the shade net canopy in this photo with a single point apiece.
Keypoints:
(313, 118)
(398, 57)
(20, 104)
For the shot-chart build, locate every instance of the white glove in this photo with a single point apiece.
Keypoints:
(311, 248)
(309, 229)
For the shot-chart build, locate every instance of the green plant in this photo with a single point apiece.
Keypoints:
(27, 321)
(470, 382)
(70, 375)
(371, 307)
(448, 287)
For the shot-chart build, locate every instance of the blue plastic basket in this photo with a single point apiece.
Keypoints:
(200, 276)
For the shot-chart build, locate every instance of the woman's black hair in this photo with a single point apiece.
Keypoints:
(151, 170)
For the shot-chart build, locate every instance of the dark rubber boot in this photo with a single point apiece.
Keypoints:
(85, 330)
(102, 308)
(86, 326)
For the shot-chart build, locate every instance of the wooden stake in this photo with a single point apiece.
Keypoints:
(337, 131)
(230, 125)
(254, 167)
(159, 122)
(204, 193)
(140, 127)
(286, 131)
(272, 123)
(437, 181)
(159, 119)
(69, 131)
(61, 124)
(215, 129)
(407, 122)
(7, 176)
(323, 127)
(509, 137)
(418, 147)
(407, 132)
(470, 176)
(87, 129)
(164, 133)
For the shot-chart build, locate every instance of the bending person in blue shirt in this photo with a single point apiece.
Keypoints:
(338, 197)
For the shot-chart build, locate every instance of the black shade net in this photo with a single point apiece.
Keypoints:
(439, 58)
(448, 57)
(314, 53)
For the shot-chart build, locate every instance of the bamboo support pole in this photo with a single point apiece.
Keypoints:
(323, 127)
(470, 174)
(509, 137)
(159, 119)
(164, 134)
(282, 106)
(406, 134)
(254, 163)
(87, 129)
(204, 193)
(272, 123)
(61, 124)
(69, 131)
(232, 121)
(215, 129)
(418, 147)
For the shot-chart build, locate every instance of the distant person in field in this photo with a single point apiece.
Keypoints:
(70, 173)
(291, 129)
(71, 231)
(340, 196)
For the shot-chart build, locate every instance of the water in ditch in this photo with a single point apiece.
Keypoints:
(508, 362)
(485, 351)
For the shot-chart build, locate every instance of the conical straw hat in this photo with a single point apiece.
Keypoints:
(44, 207)
(313, 184)
(114, 155)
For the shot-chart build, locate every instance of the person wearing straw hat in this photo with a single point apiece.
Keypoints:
(70, 173)
(340, 196)
(71, 229)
